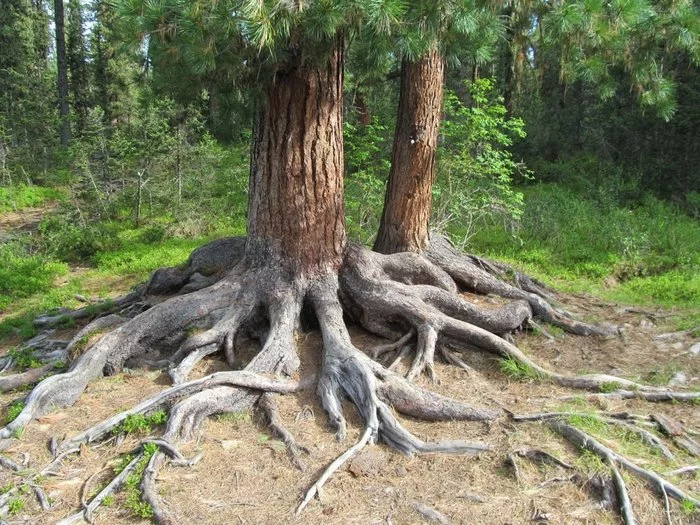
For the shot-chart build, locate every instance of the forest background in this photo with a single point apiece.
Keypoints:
(582, 171)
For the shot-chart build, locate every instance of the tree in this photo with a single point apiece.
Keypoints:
(295, 257)
(26, 83)
(408, 201)
(79, 85)
(407, 209)
(62, 77)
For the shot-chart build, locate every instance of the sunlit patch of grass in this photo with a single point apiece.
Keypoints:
(517, 370)
(20, 196)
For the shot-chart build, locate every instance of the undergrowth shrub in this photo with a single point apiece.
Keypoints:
(476, 170)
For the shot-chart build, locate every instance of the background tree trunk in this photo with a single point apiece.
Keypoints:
(408, 201)
(61, 66)
(295, 208)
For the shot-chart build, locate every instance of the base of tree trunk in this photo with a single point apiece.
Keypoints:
(209, 304)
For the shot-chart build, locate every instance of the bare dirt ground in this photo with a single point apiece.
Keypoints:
(246, 476)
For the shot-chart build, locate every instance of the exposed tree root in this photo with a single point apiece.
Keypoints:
(581, 439)
(242, 379)
(488, 277)
(268, 405)
(623, 496)
(381, 298)
(647, 394)
(218, 296)
(335, 465)
(29, 377)
(629, 422)
(112, 486)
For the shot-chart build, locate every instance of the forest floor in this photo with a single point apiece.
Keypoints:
(245, 475)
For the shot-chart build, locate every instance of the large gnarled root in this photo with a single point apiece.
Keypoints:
(205, 266)
(488, 277)
(165, 323)
(376, 299)
(346, 372)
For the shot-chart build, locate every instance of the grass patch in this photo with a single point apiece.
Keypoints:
(18, 197)
(662, 376)
(591, 463)
(587, 240)
(23, 358)
(15, 506)
(516, 370)
(628, 442)
(610, 386)
(236, 418)
(688, 507)
(24, 274)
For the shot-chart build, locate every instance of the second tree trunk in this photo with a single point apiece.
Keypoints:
(408, 201)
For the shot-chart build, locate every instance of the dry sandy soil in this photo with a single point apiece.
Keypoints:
(246, 476)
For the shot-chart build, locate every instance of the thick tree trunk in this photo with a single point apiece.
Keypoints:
(62, 68)
(404, 224)
(295, 208)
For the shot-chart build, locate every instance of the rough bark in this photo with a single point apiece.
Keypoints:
(296, 176)
(408, 201)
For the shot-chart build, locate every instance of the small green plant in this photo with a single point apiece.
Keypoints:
(6, 488)
(108, 501)
(516, 370)
(23, 358)
(122, 463)
(13, 411)
(610, 386)
(140, 424)
(15, 506)
(18, 432)
(132, 484)
(688, 507)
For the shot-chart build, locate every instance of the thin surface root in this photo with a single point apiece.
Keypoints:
(268, 405)
(580, 439)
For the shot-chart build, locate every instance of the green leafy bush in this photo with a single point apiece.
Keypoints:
(476, 169)
(64, 239)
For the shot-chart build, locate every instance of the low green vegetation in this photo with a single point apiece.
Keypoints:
(140, 424)
(594, 239)
(516, 370)
(21, 196)
(13, 411)
(23, 358)
(623, 439)
(15, 506)
(134, 502)
(591, 463)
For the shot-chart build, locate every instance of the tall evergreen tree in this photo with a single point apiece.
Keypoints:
(594, 39)
(62, 73)
(79, 76)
